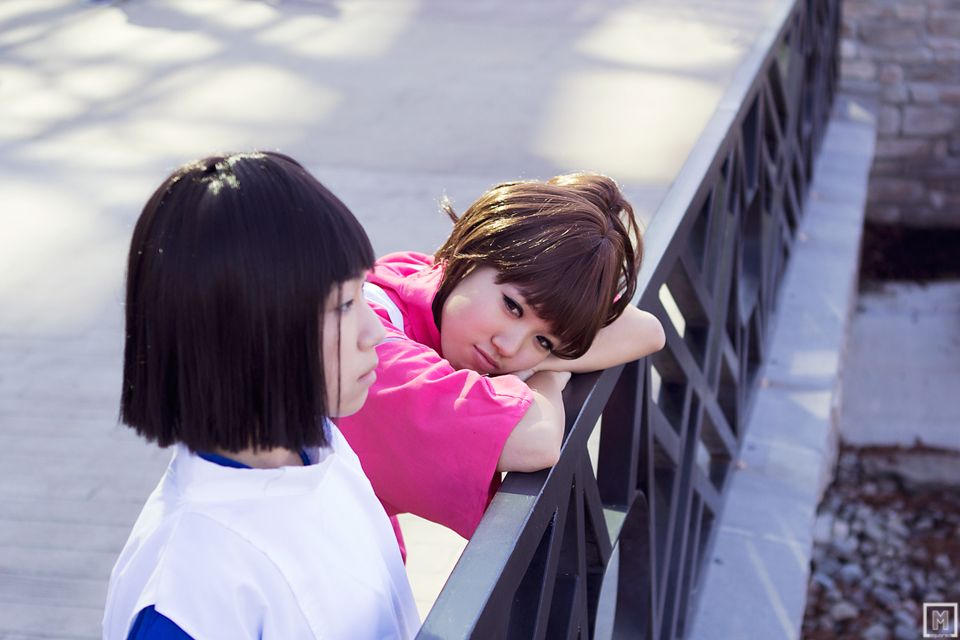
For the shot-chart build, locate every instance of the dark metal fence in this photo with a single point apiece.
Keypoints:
(672, 423)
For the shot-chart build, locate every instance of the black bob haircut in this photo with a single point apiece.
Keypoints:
(230, 268)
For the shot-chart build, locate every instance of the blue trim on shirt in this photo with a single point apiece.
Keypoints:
(151, 625)
(227, 462)
(223, 462)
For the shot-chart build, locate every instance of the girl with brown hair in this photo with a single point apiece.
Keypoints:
(533, 284)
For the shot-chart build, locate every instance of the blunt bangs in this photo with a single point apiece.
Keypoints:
(230, 267)
(571, 246)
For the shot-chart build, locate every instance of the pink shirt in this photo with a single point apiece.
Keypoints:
(429, 437)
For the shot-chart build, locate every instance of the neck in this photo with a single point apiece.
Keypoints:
(264, 458)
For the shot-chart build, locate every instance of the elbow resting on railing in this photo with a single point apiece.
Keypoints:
(535, 442)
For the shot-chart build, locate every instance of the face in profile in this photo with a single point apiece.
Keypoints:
(351, 330)
(490, 328)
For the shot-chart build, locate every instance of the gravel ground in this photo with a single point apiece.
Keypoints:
(881, 550)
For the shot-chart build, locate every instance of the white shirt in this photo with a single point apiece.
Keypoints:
(288, 553)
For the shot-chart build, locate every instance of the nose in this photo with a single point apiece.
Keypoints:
(508, 342)
(371, 329)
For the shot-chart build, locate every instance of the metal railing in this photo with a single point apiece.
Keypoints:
(672, 423)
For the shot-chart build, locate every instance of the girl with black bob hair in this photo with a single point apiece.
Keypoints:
(246, 329)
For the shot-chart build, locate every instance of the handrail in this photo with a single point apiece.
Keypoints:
(672, 423)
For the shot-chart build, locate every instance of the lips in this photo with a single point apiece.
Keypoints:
(484, 362)
(368, 378)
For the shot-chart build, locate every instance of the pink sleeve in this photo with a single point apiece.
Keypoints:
(429, 437)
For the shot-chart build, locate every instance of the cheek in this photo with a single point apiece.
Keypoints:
(450, 338)
(330, 353)
(454, 322)
(456, 310)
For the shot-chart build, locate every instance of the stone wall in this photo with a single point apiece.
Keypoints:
(906, 54)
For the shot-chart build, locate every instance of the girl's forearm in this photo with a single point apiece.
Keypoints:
(633, 335)
(535, 442)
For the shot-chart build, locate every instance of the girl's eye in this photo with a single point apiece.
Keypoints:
(545, 343)
(512, 306)
(346, 306)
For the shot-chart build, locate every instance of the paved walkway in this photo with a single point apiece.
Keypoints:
(392, 103)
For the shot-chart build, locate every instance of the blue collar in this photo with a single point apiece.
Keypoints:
(227, 462)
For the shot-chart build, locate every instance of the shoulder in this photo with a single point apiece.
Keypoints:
(197, 573)
(402, 264)
(210, 571)
(396, 271)
(411, 280)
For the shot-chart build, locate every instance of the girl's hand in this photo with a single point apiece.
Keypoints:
(525, 374)
(556, 378)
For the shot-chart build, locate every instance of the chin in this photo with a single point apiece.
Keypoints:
(350, 408)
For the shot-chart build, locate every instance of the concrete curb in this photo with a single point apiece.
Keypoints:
(756, 579)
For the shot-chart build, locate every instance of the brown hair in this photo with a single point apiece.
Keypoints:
(571, 245)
